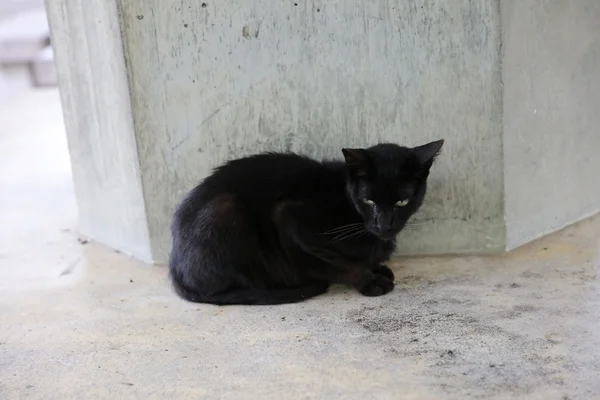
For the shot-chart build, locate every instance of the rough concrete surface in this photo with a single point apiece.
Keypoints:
(81, 321)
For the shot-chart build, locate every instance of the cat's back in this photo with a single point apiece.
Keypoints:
(268, 164)
(257, 180)
(263, 172)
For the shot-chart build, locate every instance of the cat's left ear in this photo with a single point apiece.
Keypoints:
(428, 152)
(356, 161)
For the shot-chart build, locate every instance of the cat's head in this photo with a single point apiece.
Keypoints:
(387, 183)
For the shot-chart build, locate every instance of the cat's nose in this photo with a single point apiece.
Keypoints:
(384, 229)
(387, 235)
(384, 224)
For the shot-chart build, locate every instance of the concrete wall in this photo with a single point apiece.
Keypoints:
(189, 84)
(98, 119)
(221, 79)
(551, 73)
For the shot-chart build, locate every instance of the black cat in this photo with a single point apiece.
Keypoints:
(279, 228)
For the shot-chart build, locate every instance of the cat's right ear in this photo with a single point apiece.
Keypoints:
(356, 161)
(428, 152)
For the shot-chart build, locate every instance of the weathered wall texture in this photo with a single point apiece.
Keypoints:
(204, 82)
(98, 119)
(214, 80)
(551, 73)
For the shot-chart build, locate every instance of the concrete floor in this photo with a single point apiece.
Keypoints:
(81, 321)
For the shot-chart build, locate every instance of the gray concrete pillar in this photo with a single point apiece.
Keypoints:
(99, 123)
(157, 92)
(551, 129)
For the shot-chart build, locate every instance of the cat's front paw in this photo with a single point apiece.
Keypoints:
(385, 271)
(380, 285)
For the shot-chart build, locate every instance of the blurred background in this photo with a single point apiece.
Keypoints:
(37, 201)
(26, 57)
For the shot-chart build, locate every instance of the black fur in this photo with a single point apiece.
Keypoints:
(279, 228)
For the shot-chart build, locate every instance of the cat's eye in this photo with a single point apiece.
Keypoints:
(369, 202)
(402, 203)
